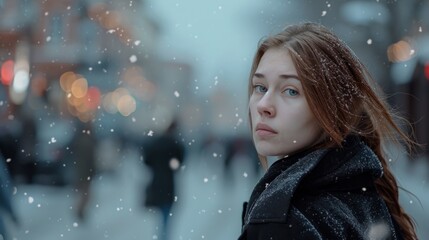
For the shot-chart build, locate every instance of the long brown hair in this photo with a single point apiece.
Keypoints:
(344, 99)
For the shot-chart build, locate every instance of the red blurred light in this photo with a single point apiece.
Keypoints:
(427, 71)
(93, 97)
(7, 72)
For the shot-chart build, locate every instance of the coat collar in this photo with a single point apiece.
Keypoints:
(332, 169)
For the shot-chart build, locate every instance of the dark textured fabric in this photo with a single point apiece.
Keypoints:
(321, 194)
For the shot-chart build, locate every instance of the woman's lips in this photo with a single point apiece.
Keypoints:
(264, 130)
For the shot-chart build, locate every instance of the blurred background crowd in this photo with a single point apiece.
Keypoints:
(85, 84)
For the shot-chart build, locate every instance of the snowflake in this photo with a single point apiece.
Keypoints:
(133, 58)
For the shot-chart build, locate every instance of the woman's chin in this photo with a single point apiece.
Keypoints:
(266, 151)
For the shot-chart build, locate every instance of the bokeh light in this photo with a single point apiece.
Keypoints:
(400, 51)
(79, 88)
(7, 72)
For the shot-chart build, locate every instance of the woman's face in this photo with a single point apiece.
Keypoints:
(282, 122)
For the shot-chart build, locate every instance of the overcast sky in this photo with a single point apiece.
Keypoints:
(216, 37)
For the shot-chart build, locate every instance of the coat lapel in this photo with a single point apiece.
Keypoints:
(278, 186)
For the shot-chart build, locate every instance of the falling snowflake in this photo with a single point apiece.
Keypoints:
(174, 164)
(150, 133)
(133, 58)
(369, 41)
(323, 13)
(206, 180)
(137, 42)
(245, 174)
(30, 200)
(420, 29)
(48, 38)
(53, 140)
(176, 93)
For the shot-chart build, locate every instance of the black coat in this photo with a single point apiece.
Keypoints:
(158, 154)
(321, 194)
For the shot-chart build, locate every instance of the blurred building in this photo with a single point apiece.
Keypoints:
(87, 60)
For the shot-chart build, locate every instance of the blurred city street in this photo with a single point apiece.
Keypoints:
(207, 206)
(84, 84)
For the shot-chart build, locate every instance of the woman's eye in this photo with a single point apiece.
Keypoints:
(291, 92)
(260, 89)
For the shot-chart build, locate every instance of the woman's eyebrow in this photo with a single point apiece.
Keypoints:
(282, 76)
(258, 75)
(288, 76)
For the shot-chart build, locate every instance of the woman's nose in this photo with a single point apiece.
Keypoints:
(266, 106)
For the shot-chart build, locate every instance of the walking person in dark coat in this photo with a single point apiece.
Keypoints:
(84, 147)
(163, 154)
(6, 207)
(314, 111)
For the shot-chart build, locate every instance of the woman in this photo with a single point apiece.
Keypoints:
(312, 105)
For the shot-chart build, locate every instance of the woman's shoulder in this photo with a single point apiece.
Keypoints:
(350, 214)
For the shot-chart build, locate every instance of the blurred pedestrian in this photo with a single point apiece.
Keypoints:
(313, 106)
(9, 148)
(163, 155)
(83, 147)
(28, 144)
(7, 211)
(239, 146)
